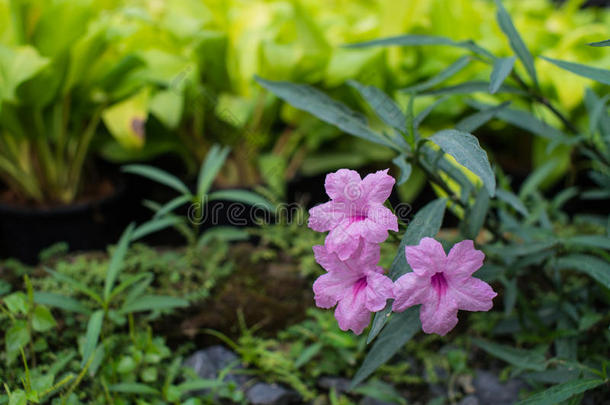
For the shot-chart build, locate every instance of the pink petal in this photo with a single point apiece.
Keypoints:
(364, 258)
(378, 291)
(377, 186)
(342, 240)
(327, 216)
(410, 289)
(329, 261)
(382, 216)
(427, 258)
(463, 260)
(351, 313)
(343, 185)
(371, 231)
(438, 314)
(472, 294)
(331, 287)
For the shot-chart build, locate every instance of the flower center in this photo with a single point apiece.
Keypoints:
(439, 283)
(356, 218)
(359, 285)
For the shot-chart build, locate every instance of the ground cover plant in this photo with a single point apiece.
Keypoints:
(455, 249)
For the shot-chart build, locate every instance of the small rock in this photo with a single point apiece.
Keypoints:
(490, 391)
(209, 362)
(340, 384)
(469, 400)
(271, 394)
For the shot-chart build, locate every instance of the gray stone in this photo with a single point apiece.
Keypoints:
(340, 384)
(469, 400)
(209, 362)
(490, 391)
(271, 394)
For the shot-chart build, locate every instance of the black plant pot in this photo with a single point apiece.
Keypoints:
(25, 231)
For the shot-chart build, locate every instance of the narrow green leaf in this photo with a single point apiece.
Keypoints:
(76, 285)
(244, 196)
(418, 40)
(561, 392)
(94, 327)
(525, 359)
(209, 169)
(315, 102)
(427, 222)
(308, 354)
(128, 282)
(534, 180)
(594, 267)
(475, 215)
(199, 384)
(153, 303)
(405, 168)
(61, 302)
(524, 120)
(512, 200)
(172, 205)
(155, 225)
(400, 329)
(501, 69)
(223, 233)
(133, 388)
(473, 86)
(425, 112)
(116, 261)
(465, 148)
(383, 105)
(593, 73)
(591, 241)
(601, 43)
(515, 40)
(476, 120)
(445, 74)
(157, 175)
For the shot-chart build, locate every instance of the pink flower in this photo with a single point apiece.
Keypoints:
(357, 286)
(355, 211)
(442, 284)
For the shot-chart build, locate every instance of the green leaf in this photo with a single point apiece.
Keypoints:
(76, 285)
(561, 392)
(172, 205)
(308, 354)
(515, 40)
(16, 337)
(475, 216)
(474, 86)
(18, 397)
(594, 267)
(223, 233)
(524, 120)
(244, 196)
(465, 148)
(593, 73)
(501, 69)
(383, 105)
(534, 180)
(418, 40)
(425, 112)
(315, 102)
(400, 329)
(405, 168)
(116, 261)
(94, 327)
(155, 225)
(61, 302)
(427, 222)
(601, 43)
(126, 119)
(167, 106)
(133, 388)
(128, 282)
(16, 303)
(591, 241)
(474, 121)
(512, 200)
(17, 65)
(524, 359)
(153, 303)
(42, 319)
(158, 175)
(209, 169)
(199, 384)
(451, 71)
